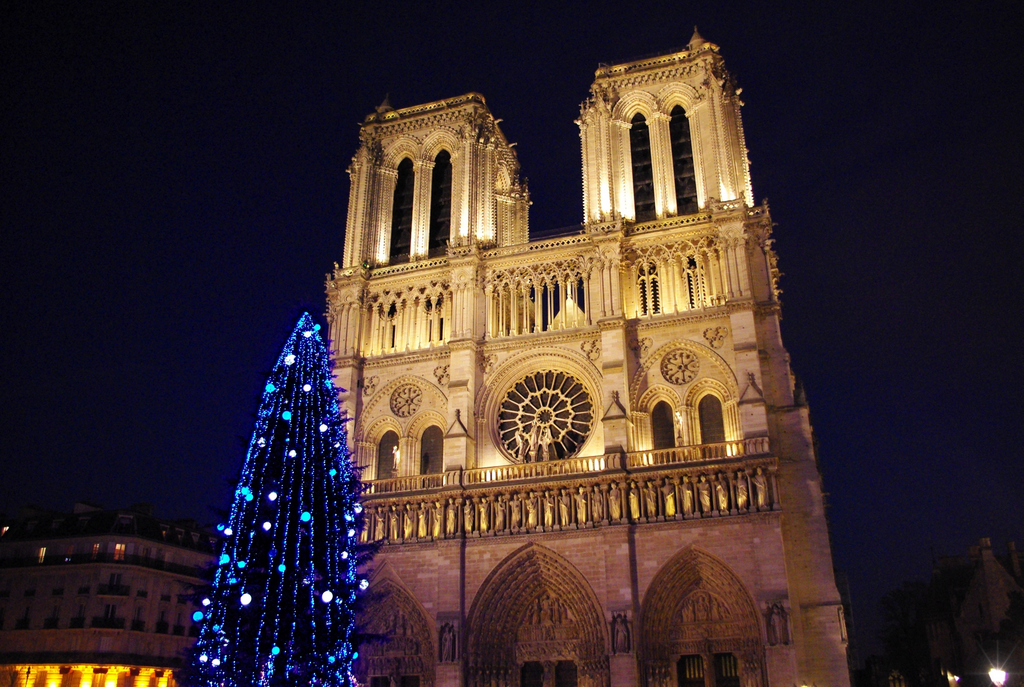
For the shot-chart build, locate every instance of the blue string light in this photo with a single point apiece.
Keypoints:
(283, 613)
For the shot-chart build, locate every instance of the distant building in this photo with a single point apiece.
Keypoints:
(968, 598)
(97, 598)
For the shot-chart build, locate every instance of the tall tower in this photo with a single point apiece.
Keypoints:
(586, 459)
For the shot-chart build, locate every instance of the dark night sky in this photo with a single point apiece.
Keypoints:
(173, 189)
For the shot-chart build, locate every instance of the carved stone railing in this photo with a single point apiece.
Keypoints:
(575, 494)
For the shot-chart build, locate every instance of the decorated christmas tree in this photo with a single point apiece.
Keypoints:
(280, 609)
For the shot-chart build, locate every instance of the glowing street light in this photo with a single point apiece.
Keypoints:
(997, 676)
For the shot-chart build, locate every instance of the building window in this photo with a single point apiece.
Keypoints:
(119, 550)
(109, 611)
(682, 162)
(727, 671)
(662, 427)
(712, 426)
(386, 453)
(649, 288)
(440, 203)
(95, 551)
(401, 211)
(42, 554)
(691, 671)
(643, 173)
(432, 451)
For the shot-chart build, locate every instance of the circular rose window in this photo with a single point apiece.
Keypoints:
(545, 416)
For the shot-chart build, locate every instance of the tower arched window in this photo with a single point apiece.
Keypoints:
(682, 162)
(649, 289)
(432, 451)
(401, 211)
(662, 427)
(643, 173)
(712, 426)
(386, 453)
(440, 203)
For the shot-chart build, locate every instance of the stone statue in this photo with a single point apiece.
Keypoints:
(447, 643)
(549, 510)
(499, 513)
(517, 512)
(531, 512)
(704, 494)
(450, 522)
(722, 491)
(421, 521)
(564, 502)
(687, 497)
(760, 489)
(409, 521)
(614, 502)
(741, 491)
(393, 516)
(534, 441)
(581, 506)
(777, 622)
(378, 524)
(438, 517)
(651, 492)
(467, 510)
(634, 502)
(522, 444)
(598, 504)
(547, 443)
(485, 507)
(396, 458)
(620, 634)
(669, 492)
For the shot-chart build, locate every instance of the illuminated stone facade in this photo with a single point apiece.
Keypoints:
(588, 461)
(97, 598)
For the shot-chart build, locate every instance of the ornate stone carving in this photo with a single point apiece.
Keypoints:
(441, 373)
(680, 366)
(406, 400)
(715, 336)
(369, 385)
(592, 349)
(545, 416)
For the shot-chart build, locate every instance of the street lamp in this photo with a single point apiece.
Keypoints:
(997, 676)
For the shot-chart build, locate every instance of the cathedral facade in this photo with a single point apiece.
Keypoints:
(586, 458)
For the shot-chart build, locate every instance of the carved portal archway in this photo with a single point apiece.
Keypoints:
(535, 607)
(407, 647)
(696, 606)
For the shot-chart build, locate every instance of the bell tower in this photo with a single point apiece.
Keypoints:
(661, 137)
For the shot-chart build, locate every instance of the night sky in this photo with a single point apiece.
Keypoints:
(173, 190)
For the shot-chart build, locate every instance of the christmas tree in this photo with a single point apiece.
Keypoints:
(280, 609)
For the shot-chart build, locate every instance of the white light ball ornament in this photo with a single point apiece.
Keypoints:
(289, 359)
(323, 428)
(272, 496)
(246, 599)
(363, 584)
(215, 662)
(266, 526)
(327, 596)
(307, 387)
(307, 334)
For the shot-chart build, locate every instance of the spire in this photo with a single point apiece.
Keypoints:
(696, 40)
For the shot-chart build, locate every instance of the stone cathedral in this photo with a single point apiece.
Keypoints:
(586, 459)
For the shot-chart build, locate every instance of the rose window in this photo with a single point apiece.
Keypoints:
(545, 416)
(406, 400)
(679, 367)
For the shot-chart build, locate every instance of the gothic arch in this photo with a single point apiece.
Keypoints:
(408, 635)
(681, 94)
(373, 412)
(441, 139)
(406, 146)
(535, 606)
(730, 407)
(697, 605)
(423, 420)
(727, 381)
(633, 103)
(380, 427)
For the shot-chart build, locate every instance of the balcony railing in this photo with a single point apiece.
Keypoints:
(83, 558)
(112, 590)
(76, 623)
(108, 623)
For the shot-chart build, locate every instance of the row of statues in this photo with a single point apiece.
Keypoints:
(636, 500)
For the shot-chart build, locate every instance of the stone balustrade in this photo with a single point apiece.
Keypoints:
(711, 481)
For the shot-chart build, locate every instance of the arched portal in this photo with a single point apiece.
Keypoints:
(699, 626)
(535, 610)
(404, 651)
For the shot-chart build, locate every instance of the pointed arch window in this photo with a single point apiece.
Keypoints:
(712, 425)
(649, 288)
(662, 427)
(401, 212)
(386, 450)
(440, 203)
(643, 173)
(682, 162)
(432, 451)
